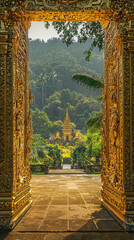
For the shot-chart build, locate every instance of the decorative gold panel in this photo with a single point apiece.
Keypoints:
(63, 16)
(118, 120)
(112, 123)
(15, 122)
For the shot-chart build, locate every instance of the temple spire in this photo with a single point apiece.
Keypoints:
(67, 131)
(67, 113)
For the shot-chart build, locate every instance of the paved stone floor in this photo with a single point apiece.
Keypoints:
(67, 206)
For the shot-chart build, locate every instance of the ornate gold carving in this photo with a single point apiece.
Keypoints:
(122, 5)
(15, 121)
(117, 151)
(62, 16)
(130, 205)
(130, 220)
(4, 205)
(56, 5)
(112, 123)
(31, 96)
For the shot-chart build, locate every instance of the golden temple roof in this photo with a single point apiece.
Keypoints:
(67, 125)
(77, 135)
(58, 135)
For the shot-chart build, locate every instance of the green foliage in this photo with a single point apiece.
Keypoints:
(79, 154)
(94, 121)
(37, 140)
(38, 151)
(46, 77)
(41, 123)
(43, 126)
(36, 161)
(84, 151)
(87, 80)
(80, 107)
(70, 32)
(91, 82)
(54, 151)
(94, 143)
(37, 173)
(47, 122)
(53, 88)
(66, 152)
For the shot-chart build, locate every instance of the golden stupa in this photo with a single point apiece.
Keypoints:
(58, 135)
(77, 137)
(67, 131)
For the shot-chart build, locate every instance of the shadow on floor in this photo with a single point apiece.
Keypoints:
(100, 236)
(103, 229)
(4, 233)
(63, 209)
(69, 236)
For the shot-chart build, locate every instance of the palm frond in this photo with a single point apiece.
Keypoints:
(87, 80)
(94, 120)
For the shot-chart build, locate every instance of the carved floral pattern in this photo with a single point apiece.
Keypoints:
(111, 130)
(56, 5)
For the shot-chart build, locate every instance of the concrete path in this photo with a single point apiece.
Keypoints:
(67, 206)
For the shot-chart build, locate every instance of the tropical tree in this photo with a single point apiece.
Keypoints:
(71, 32)
(94, 144)
(89, 81)
(37, 140)
(38, 151)
(79, 154)
(55, 153)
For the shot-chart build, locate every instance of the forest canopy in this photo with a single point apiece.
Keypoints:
(51, 66)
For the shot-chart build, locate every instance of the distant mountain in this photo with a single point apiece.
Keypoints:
(96, 64)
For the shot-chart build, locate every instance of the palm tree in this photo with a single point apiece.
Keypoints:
(87, 80)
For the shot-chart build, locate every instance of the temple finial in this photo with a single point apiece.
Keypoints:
(66, 112)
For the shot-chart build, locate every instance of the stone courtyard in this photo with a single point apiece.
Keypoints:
(67, 206)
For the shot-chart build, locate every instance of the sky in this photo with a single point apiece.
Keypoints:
(38, 31)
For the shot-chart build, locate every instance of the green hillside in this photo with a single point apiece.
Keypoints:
(51, 65)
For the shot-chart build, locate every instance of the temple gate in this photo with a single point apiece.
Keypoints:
(118, 115)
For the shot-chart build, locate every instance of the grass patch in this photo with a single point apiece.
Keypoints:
(37, 173)
(95, 173)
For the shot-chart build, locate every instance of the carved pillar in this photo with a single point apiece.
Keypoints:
(15, 123)
(118, 122)
(127, 35)
(6, 123)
